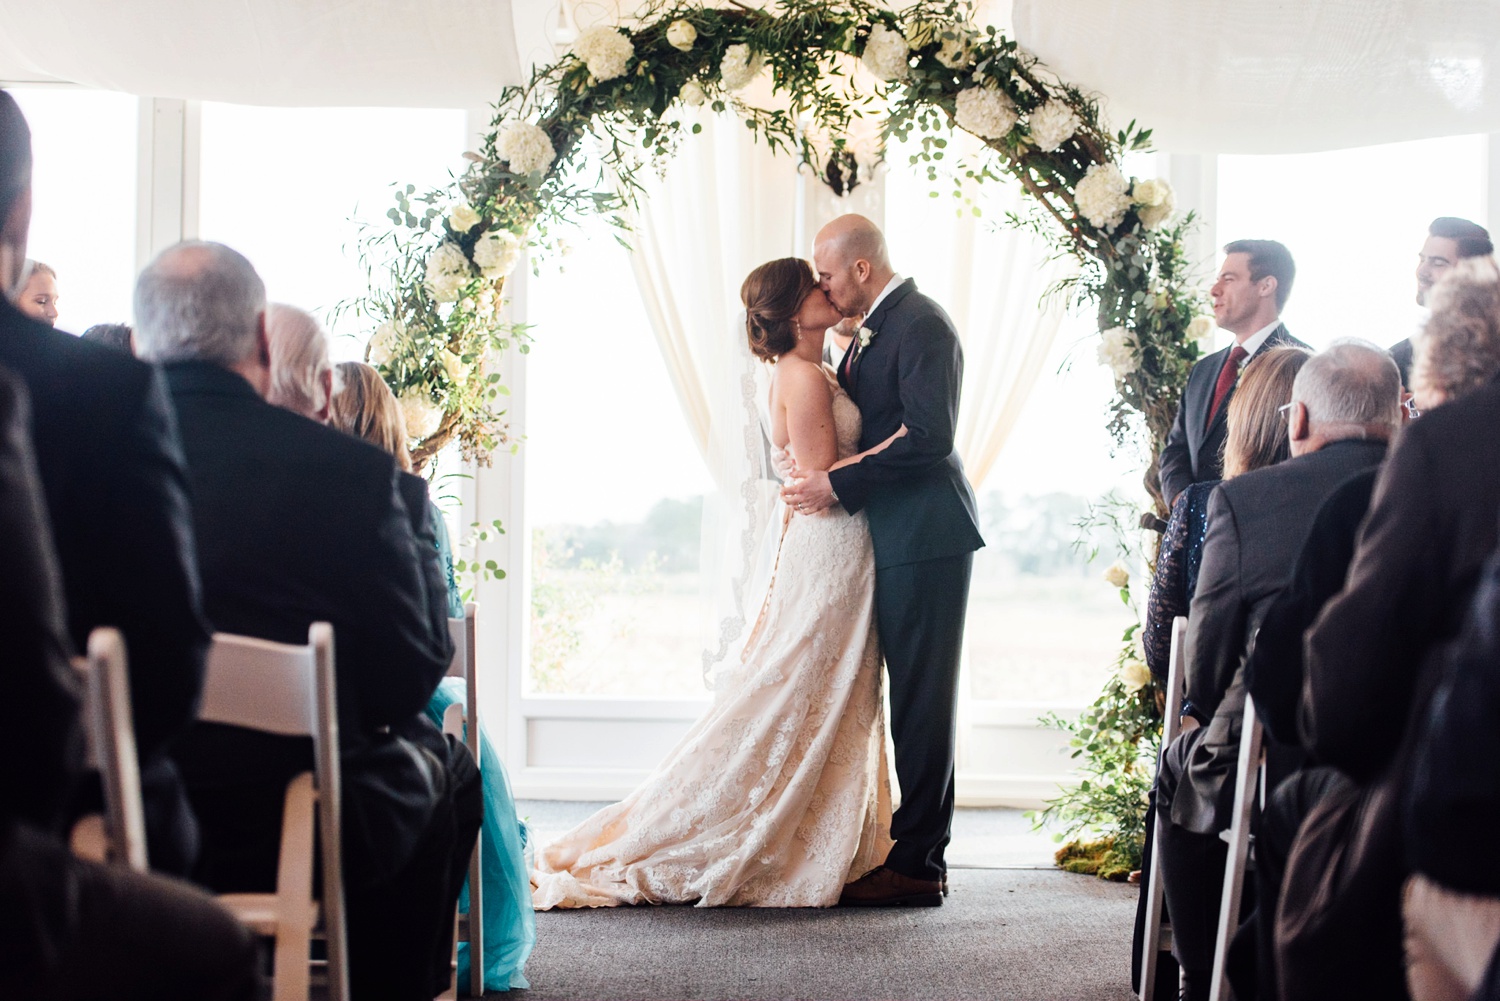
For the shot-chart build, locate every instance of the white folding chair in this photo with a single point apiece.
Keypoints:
(1248, 776)
(119, 836)
(1158, 937)
(290, 691)
(462, 721)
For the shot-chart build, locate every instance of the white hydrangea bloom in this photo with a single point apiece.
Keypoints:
(382, 346)
(692, 94)
(1118, 574)
(525, 147)
(957, 50)
(681, 35)
(886, 54)
(1156, 200)
(1134, 675)
(740, 66)
(605, 50)
(1052, 124)
(496, 253)
(462, 217)
(422, 416)
(984, 111)
(1117, 349)
(1201, 328)
(1103, 196)
(448, 271)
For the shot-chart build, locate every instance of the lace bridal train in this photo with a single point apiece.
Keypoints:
(780, 794)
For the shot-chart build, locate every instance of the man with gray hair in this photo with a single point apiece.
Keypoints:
(301, 373)
(1345, 406)
(298, 523)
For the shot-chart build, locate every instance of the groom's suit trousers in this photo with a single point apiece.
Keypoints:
(919, 608)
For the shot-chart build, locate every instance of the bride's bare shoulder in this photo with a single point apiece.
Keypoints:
(800, 377)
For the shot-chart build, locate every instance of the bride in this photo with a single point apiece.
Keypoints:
(780, 794)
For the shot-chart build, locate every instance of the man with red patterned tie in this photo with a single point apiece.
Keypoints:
(1248, 296)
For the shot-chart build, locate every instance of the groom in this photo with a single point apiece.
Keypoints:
(904, 368)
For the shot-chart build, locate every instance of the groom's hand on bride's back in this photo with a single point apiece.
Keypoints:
(808, 491)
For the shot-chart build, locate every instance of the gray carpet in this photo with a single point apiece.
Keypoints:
(1014, 933)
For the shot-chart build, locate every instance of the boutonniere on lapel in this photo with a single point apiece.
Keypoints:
(866, 335)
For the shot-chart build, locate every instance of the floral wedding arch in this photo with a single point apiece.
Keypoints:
(445, 259)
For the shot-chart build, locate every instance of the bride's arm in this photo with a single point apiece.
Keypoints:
(808, 401)
(900, 433)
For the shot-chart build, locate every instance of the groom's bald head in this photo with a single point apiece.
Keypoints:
(853, 263)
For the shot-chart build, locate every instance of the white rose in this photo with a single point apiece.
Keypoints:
(525, 147)
(1118, 574)
(1052, 124)
(383, 344)
(1201, 328)
(497, 252)
(740, 66)
(448, 271)
(681, 35)
(1156, 200)
(1103, 195)
(984, 111)
(422, 416)
(957, 50)
(692, 94)
(462, 217)
(606, 51)
(1134, 675)
(886, 54)
(1117, 349)
(453, 365)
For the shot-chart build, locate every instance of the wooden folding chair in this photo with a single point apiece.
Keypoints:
(1158, 937)
(290, 691)
(462, 721)
(119, 836)
(1249, 775)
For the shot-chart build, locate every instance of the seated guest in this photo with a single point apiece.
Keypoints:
(1373, 655)
(1451, 905)
(1345, 405)
(1257, 438)
(38, 298)
(74, 930)
(301, 374)
(297, 523)
(1449, 240)
(116, 494)
(366, 408)
(114, 335)
(1248, 296)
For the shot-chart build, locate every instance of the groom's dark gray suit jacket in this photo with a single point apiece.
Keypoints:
(915, 494)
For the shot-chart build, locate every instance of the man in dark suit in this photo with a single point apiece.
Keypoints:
(1345, 406)
(71, 929)
(1449, 240)
(1248, 296)
(116, 495)
(905, 369)
(298, 523)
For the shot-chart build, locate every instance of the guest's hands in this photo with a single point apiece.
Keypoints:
(808, 491)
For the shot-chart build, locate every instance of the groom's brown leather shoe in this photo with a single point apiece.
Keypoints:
(882, 887)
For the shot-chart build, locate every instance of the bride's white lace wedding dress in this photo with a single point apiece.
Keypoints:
(780, 794)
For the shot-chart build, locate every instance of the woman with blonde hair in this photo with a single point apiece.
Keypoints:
(366, 408)
(1257, 438)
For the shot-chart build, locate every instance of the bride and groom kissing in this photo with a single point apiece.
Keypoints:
(779, 796)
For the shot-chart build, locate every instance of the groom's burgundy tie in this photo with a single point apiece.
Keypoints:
(1227, 376)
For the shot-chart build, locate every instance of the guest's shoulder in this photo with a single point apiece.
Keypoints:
(56, 364)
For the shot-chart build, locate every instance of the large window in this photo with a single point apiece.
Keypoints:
(1354, 221)
(614, 487)
(287, 187)
(84, 198)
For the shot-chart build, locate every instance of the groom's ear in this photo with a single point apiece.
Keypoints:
(862, 270)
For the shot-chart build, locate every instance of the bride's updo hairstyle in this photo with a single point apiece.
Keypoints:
(772, 294)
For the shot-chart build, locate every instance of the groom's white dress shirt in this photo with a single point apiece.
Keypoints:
(890, 287)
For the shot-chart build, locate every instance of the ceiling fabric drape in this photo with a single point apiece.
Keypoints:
(1225, 76)
(310, 53)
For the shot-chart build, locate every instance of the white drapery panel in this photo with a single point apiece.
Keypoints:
(1233, 77)
(311, 53)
